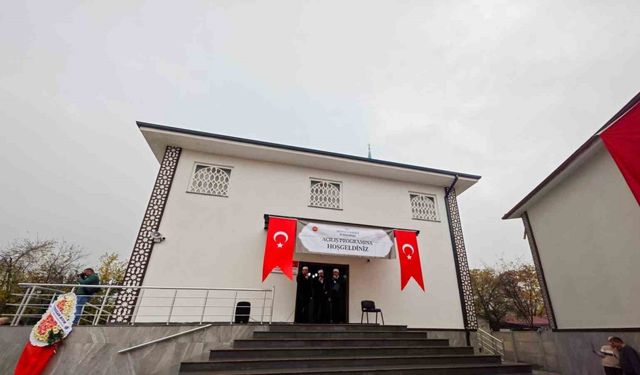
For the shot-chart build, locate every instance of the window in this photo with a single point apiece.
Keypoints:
(210, 180)
(326, 194)
(423, 207)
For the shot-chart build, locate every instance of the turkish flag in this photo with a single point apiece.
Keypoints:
(34, 359)
(409, 256)
(622, 140)
(281, 242)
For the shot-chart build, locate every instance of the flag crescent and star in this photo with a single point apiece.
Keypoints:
(280, 247)
(409, 257)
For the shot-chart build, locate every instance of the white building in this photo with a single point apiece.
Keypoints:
(583, 227)
(215, 232)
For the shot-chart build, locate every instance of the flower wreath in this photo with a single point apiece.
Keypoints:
(56, 323)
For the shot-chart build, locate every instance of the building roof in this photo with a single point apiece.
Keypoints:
(573, 162)
(160, 136)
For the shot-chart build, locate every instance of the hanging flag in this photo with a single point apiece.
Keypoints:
(409, 257)
(622, 140)
(278, 250)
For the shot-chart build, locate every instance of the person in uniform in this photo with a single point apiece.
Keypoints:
(336, 297)
(320, 299)
(304, 296)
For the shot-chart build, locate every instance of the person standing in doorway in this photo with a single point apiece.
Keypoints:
(84, 293)
(336, 297)
(320, 299)
(610, 359)
(629, 358)
(303, 296)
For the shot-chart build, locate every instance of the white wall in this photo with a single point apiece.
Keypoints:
(588, 234)
(219, 242)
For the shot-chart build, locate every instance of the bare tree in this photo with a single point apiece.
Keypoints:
(28, 260)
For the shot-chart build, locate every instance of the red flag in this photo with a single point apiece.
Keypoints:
(281, 242)
(409, 256)
(622, 140)
(34, 359)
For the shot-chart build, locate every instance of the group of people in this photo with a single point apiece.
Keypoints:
(320, 300)
(619, 358)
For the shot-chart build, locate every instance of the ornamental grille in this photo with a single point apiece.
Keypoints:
(423, 207)
(460, 260)
(137, 266)
(210, 180)
(326, 194)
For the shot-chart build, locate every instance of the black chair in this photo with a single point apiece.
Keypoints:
(243, 311)
(370, 307)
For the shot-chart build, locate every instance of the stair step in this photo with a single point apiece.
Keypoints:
(333, 342)
(334, 327)
(340, 334)
(344, 362)
(336, 352)
(454, 369)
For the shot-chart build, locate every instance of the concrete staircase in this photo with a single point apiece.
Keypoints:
(348, 349)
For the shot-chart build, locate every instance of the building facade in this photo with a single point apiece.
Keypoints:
(215, 194)
(582, 226)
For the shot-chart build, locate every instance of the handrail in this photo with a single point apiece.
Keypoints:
(166, 304)
(163, 339)
(491, 343)
(148, 287)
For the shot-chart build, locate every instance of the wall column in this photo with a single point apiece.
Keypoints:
(539, 271)
(460, 258)
(139, 261)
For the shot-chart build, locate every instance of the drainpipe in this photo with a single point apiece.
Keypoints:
(453, 184)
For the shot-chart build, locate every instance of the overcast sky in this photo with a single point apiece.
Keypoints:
(503, 89)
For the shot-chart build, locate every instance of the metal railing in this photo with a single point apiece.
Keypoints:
(489, 344)
(155, 304)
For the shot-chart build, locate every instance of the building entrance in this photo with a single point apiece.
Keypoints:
(322, 299)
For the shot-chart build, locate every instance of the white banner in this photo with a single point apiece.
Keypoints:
(344, 240)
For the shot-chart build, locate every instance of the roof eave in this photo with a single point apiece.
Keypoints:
(227, 138)
(519, 208)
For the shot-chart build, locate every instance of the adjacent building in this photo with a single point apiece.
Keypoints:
(583, 227)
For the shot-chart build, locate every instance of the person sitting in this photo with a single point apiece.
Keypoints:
(629, 358)
(610, 359)
(84, 293)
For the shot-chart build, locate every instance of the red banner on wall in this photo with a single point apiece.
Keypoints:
(278, 250)
(622, 140)
(409, 256)
(34, 359)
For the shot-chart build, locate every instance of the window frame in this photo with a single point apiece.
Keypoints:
(435, 203)
(196, 164)
(340, 186)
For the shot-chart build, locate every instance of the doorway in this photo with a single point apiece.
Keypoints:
(330, 307)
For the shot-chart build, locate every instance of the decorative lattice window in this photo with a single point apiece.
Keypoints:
(210, 180)
(423, 207)
(326, 194)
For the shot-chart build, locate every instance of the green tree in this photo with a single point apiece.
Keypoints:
(489, 298)
(111, 268)
(520, 286)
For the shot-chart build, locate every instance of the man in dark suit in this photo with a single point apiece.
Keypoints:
(336, 297)
(320, 299)
(304, 294)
